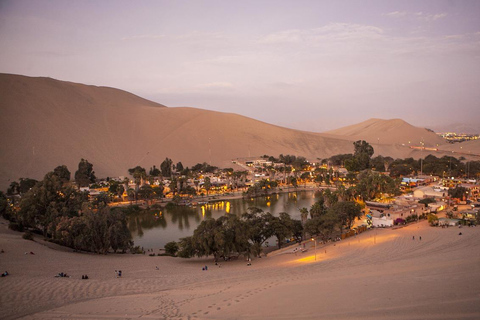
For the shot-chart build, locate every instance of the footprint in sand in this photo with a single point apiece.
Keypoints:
(219, 308)
(205, 312)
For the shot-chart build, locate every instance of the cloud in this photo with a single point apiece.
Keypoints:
(215, 85)
(429, 17)
(455, 36)
(396, 14)
(338, 31)
(144, 37)
(421, 16)
(194, 35)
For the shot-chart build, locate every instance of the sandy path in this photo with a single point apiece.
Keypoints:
(381, 274)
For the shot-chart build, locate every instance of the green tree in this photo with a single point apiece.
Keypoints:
(139, 175)
(207, 184)
(347, 212)
(85, 174)
(372, 185)
(318, 209)
(323, 225)
(154, 172)
(361, 156)
(63, 173)
(293, 181)
(259, 225)
(171, 248)
(179, 167)
(166, 167)
(46, 201)
(5, 210)
(101, 200)
(146, 192)
(432, 219)
(458, 192)
(283, 227)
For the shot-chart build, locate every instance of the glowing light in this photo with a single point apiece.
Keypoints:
(203, 211)
(227, 207)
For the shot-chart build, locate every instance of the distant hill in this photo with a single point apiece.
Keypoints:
(394, 131)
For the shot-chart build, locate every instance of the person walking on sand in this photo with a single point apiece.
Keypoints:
(420, 238)
(413, 238)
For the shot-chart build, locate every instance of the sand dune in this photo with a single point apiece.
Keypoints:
(394, 131)
(46, 123)
(381, 274)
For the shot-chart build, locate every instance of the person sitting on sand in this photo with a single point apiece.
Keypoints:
(5, 274)
(119, 273)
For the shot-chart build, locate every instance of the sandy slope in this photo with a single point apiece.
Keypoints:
(381, 274)
(393, 131)
(47, 122)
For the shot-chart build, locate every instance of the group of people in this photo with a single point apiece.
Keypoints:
(62, 275)
(84, 277)
(418, 237)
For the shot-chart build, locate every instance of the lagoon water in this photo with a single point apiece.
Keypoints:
(154, 228)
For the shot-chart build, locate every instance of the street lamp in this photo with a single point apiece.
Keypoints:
(315, 242)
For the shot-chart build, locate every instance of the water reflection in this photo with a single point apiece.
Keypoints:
(154, 228)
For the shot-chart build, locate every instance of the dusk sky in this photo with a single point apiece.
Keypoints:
(310, 65)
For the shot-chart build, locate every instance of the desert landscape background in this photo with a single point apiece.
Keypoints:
(381, 274)
(47, 122)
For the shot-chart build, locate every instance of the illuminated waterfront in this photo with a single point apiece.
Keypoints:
(154, 228)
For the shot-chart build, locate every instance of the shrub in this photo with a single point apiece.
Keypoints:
(426, 201)
(136, 250)
(432, 219)
(171, 248)
(412, 218)
(27, 236)
(16, 226)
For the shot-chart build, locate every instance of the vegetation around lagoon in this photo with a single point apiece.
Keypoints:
(57, 208)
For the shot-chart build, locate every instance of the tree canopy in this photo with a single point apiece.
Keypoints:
(84, 175)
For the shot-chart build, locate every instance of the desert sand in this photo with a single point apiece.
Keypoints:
(381, 274)
(47, 122)
(393, 131)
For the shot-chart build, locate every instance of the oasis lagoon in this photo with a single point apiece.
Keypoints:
(152, 229)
